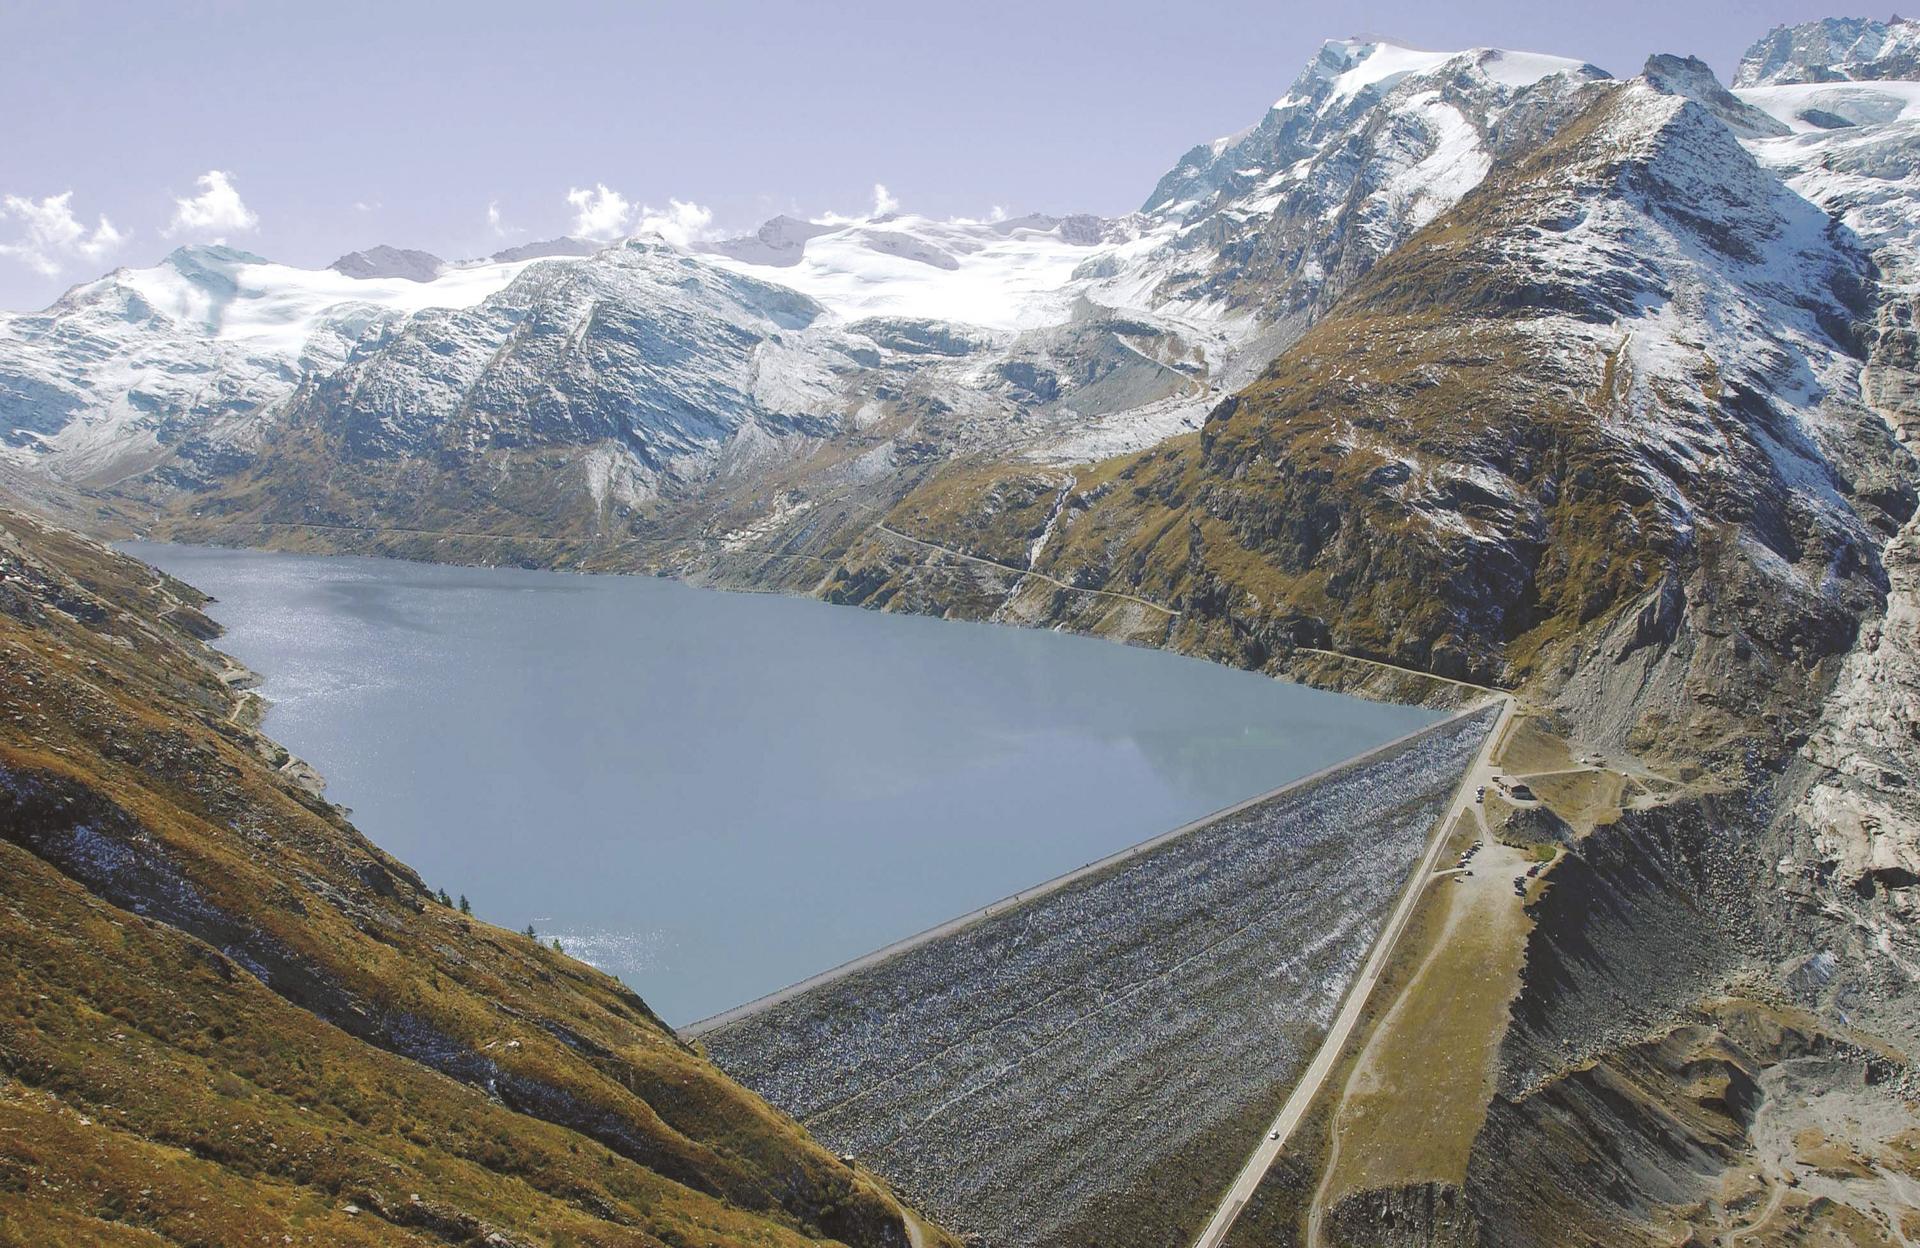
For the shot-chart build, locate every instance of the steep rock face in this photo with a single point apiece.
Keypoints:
(172, 370)
(644, 346)
(1431, 1215)
(1849, 847)
(230, 1016)
(1586, 1139)
(1835, 49)
(1632, 1146)
(1860, 811)
(1372, 141)
(385, 261)
(1692, 77)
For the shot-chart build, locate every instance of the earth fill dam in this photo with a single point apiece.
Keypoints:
(1057, 1072)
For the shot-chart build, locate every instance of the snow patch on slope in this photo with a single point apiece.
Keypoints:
(192, 350)
(1377, 64)
(972, 273)
(1454, 164)
(1865, 172)
(1822, 107)
(277, 308)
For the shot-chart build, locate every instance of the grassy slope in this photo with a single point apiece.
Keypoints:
(446, 1078)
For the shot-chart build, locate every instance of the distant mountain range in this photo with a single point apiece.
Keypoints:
(1099, 334)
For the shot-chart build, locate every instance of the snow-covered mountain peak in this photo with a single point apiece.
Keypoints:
(1346, 67)
(1373, 140)
(546, 248)
(1372, 65)
(1377, 64)
(1686, 159)
(185, 348)
(1692, 78)
(779, 242)
(1342, 91)
(385, 261)
(1834, 49)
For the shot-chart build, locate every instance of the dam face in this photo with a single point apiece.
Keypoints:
(1092, 1064)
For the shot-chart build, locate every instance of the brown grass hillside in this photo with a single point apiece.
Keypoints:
(227, 1018)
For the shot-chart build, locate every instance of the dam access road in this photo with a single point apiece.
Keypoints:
(1280, 1132)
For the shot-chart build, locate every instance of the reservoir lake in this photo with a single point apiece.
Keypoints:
(712, 795)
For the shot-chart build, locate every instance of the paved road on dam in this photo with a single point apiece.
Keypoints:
(1281, 1130)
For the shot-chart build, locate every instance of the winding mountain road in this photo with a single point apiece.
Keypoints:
(1008, 567)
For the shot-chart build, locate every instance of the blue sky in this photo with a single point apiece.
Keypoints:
(303, 131)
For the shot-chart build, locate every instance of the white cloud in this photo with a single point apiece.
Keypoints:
(498, 224)
(51, 236)
(605, 214)
(680, 223)
(364, 205)
(995, 215)
(217, 210)
(884, 202)
(599, 213)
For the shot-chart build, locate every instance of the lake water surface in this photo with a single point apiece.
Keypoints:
(712, 795)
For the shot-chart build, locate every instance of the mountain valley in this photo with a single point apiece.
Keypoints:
(1456, 378)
